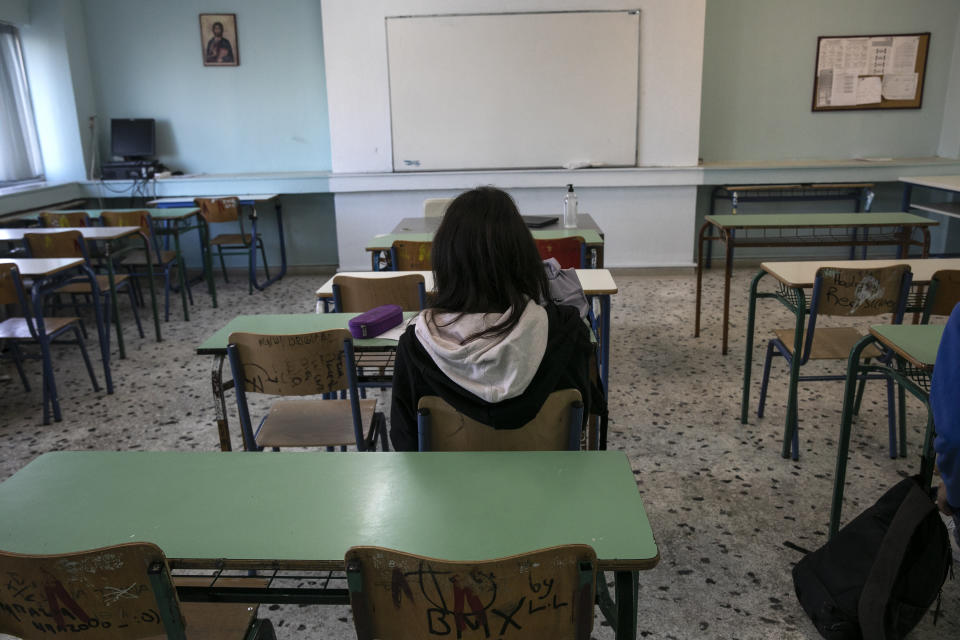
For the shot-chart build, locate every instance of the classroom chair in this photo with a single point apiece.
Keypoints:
(557, 427)
(943, 294)
(120, 592)
(353, 294)
(302, 365)
(546, 594)
(410, 255)
(838, 292)
(162, 261)
(216, 210)
(25, 328)
(65, 219)
(435, 207)
(70, 244)
(571, 252)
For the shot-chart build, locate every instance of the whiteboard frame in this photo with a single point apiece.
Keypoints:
(390, 106)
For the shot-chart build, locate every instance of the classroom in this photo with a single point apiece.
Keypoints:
(314, 115)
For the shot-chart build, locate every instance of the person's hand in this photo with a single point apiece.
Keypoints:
(942, 503)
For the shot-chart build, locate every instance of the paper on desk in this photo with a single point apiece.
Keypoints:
(868, 90)
(900, 86)
(397, 331)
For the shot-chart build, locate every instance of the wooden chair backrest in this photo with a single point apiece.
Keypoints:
(219, 209)
(541, 595)
(8, 283)
(567, 251)
(946, 295)
(64, 219)
(362, 294)
(293, 365)
(450, 430)
(859, 292)
(413, 255)
(62, 244)
(103, 593)
(127, 219)
(435, 207)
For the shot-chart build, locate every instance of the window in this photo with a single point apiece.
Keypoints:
(19, 146)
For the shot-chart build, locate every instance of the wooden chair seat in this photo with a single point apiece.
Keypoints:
(217, 621)
(103, 282)
(232, 238)
(830, 343)
(17, 329)
(139, 257)
(312, 423)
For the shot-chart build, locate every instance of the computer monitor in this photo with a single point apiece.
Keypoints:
(132, 138)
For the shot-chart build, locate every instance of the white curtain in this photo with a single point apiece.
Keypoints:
(19, 146)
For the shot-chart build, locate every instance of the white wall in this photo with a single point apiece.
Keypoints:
(14, 12)
(671, 54)
(949, 146)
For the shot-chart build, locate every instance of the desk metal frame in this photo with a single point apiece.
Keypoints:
(775, 232)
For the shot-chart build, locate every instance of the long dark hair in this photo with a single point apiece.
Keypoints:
(485, 260)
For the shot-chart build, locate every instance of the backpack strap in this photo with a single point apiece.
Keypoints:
(871, 610)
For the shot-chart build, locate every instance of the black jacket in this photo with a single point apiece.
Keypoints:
(568, 362)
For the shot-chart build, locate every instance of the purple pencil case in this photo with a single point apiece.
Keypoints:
(374, 322)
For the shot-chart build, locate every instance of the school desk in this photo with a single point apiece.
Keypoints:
(216, 346)
(251, 201)
(106, 235)
(915, 346)
(422, 230)
(168, 222)
(595, 282)
(302, 511)
(792, 279)
(805, 230)
(48, 274)
(947, 185)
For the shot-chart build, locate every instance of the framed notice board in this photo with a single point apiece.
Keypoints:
(870, 72)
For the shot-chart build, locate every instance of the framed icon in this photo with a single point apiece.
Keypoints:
(218, 39)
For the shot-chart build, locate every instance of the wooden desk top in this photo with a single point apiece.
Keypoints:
(802, 274)
(385, 241)
(187, 201)
(304, 510)
(90, 233)
(288, 324)
(38, 267)
(947, 183)
(166, 214)
(817, 220)
(424, 224)
(594, 281)
(917, 343)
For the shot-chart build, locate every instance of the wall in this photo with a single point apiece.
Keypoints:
(759, 60)
(14, 12)
(950, 132)
(671, 35)
(267, 114)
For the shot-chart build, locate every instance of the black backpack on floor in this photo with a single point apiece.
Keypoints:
(878, 576)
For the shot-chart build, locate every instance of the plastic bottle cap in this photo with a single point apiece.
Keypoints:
(569, 187)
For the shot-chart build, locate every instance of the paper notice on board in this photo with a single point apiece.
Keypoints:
(868, 90)
(904, 55)
(855, 55)
(831, 55)
(843, 91)
(879, 56)
(900, 86)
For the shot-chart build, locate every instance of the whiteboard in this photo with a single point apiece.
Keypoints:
(516, 90)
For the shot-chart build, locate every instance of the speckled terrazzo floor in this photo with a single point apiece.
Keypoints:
(721, 500)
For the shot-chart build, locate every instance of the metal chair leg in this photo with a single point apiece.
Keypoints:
(18, 363)
(133, 306)
(891, 418)
(86, 359)
(766, 378)
(223, 265)
(263, 254)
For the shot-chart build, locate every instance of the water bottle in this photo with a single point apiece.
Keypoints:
(570, 208)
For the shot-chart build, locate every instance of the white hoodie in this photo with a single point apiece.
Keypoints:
(492, 368)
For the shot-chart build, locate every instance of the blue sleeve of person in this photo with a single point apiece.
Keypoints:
(945, 405)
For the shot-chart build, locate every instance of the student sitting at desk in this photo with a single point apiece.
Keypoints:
(472, 347)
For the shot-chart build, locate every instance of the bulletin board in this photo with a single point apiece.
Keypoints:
(870, 72)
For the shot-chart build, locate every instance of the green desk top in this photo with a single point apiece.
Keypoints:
(385, 241)
(285, 324)
(807, 220)
(311, 507)
(918, 343)
(156, 214)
